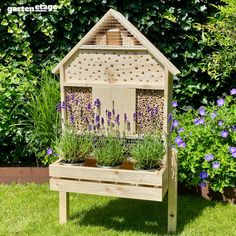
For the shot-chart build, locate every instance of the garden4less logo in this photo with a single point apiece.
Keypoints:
(37, 8)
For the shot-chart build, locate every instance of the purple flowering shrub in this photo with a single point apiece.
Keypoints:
(206, 143)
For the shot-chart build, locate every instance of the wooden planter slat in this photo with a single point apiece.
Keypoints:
(107, 189)
(111, 175)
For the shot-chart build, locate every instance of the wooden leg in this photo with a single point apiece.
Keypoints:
(63, 207)
(172, 193)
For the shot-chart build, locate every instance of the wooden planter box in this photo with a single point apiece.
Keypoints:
(145, 185)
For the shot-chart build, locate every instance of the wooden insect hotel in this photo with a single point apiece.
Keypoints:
(117, 64)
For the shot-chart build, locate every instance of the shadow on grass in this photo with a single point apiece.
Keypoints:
(141, 216)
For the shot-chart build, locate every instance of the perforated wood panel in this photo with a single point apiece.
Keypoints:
(150, 110)
(114, 67)
(112, 33)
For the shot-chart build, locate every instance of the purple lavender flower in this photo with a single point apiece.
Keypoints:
(213, 115)
(97, 119)
(69, 107)
(125, 118)
(216, 165)
(72, 119)
(148, 108)
(220, 102)
(224, 134)
(134, 116)
(63, 105)
(169, 117)
(97, 103)
(220, 122)
(234, 154)
(202, 111)
(109, 115)
(155, 111)
(174, 104)
(180, 130)
(128, 126)
(233, 91)
(102, 121)
(175, 123)
(67, 98)
(117, 119)
(76, 102)
(49, 151)
(202, 184)
(58, 107)
(209, 157)
(151, 113)
(234, 128)
(73, 97)
(90, 128)
(203, 175)
(89, 106)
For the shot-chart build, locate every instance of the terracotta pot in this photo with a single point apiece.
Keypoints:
(228, 195)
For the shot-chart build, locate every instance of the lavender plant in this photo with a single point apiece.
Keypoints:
(73, 147)
(109, 151)
(148, 152)
(206, 142)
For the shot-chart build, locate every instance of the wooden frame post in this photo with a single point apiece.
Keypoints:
(172, 193)
(63, 207)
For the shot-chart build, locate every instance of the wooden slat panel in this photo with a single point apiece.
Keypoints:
(157, 85)
(116, 190)
(115, 175)
(109, 47)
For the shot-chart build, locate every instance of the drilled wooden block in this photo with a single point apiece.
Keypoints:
(78, 113)
(114, 67)
(150, 110)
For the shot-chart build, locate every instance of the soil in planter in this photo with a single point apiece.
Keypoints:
(81, 163)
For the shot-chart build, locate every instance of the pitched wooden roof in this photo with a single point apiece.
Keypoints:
(132, 30)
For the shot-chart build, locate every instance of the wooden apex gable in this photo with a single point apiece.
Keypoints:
(131, 38)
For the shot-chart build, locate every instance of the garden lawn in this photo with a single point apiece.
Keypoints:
(33, 210)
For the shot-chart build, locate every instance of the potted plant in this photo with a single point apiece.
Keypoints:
(109, 152)
(148, 152)
(73, 147)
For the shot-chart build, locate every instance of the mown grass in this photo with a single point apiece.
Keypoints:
(33, 210)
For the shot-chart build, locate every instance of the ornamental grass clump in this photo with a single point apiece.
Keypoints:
(74, 148)
(109, 151)
(148, 152)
